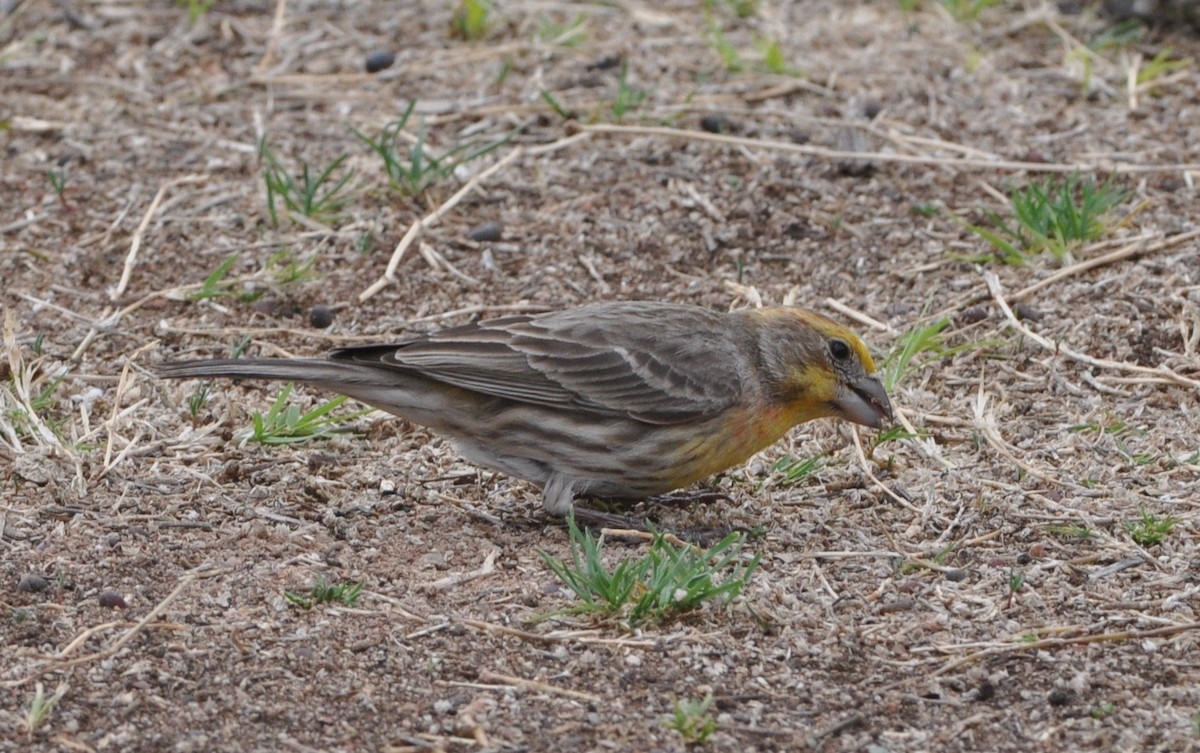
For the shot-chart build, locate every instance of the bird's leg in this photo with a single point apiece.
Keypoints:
(558, 497)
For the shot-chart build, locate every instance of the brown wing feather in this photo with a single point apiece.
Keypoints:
(655, 362)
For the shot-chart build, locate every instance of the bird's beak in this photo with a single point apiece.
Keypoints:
(863, 402)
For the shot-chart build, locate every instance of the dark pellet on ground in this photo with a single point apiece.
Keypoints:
(972, 315)
(986, 692)
(320, 317)
(606, 62)
(112, 600)
(488, 231)
(380, 60)
(1026, 311)
(716, 124)
(1059, 697)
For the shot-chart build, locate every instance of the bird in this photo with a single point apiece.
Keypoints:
(611, 400)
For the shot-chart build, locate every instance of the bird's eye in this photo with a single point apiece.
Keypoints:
(839, 349)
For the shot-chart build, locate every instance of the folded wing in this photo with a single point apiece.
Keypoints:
(658, 363)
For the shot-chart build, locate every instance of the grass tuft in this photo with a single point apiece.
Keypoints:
(967, 10)
(921, 346)
(284, 423)
(667, 582)
(1149, 529)
(323, 592)
(472, 20)
(41, 707)
(1049, 216)
(628, 97)
(792, 470)
(692, 720)
(216, 285)
(318, 196)
(414, 169)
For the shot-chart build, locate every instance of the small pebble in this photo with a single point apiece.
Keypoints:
(1024, 558)
(955, 575)
(32, 583)
(112, 600)
(319, 460)
(435, 560)
(902, 604)
(380, 60)
(265, 306)
(320, 317)
(488, 231)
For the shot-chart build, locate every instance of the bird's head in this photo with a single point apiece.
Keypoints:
(818, 364)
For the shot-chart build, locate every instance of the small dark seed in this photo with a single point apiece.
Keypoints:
(380, 60)
(606, 62)
(986, 692)
(112, 600)
(716, 124)
(488, 231)
(1026, 311)
(32, 583)
(320, 317)
(972, 315)
(801, 230)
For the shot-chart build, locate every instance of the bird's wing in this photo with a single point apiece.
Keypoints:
(654, 362)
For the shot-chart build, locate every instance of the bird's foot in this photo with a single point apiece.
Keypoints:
(687, 499)
(645, 528)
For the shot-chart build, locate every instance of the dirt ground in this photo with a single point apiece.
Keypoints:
(975, 586)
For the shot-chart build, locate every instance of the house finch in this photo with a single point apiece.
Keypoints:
(612, 400)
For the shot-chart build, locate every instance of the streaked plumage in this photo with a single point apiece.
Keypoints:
(622, 400)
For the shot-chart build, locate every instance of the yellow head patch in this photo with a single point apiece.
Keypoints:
(830, 328)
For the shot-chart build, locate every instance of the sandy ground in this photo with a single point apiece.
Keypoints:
(975, 586)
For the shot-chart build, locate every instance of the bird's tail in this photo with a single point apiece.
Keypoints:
(392, 390)
(312, 370)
